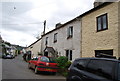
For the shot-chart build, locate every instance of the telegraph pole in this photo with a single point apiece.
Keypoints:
(44, 27)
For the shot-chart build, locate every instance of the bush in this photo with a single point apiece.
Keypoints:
(63, 65)
(62, 61)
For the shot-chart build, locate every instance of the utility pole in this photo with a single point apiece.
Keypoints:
(44, 27)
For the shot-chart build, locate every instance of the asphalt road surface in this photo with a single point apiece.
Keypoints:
(16, 69)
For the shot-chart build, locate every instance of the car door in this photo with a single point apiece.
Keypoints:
(101, 69)
(118, 71)
(35, 62)
(78, 71)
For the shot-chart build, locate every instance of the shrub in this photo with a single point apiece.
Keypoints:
(63, 65)
(61, 61)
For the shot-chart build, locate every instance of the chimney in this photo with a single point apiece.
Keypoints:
(44, 27)
(58, 25)
(97, 4)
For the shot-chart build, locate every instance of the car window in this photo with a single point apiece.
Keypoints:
(44, 59)
(81, 64)
(119, 71)
(52, 60)
(101, 67)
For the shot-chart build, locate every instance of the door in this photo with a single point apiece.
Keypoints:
(46, 54)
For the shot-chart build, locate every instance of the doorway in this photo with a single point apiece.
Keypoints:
(46, 54)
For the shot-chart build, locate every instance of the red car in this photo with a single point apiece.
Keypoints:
(43, 63)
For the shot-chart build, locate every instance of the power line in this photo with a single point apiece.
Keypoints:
(24, 23)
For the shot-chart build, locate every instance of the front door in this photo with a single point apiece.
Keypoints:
(46, 54)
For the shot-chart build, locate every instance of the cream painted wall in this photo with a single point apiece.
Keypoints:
(35, 48)
(63, 43)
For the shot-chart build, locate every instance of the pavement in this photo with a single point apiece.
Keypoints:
(16, 69)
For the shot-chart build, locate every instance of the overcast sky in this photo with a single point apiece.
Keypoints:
(22, 21)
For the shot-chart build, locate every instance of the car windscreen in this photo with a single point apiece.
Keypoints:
(46, 59)
(119, 71)
(52, 60)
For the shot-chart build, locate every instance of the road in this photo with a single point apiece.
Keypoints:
(17, 69)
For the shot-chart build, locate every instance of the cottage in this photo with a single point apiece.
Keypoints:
(101, 30)
(35, 48)
(64, 40)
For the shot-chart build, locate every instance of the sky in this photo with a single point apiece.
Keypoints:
(21, 21)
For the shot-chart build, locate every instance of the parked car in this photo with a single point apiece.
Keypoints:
(94, 69)
(43, 63)
(1, 55)
(9, 56)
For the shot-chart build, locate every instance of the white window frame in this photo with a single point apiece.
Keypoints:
(55, 37)
(46, 41)
(69, 55)
(70, 32)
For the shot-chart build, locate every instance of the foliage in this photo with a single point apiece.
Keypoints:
(62, 61)
(65, 73)
(63, 65)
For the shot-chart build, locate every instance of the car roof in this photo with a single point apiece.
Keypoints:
(95, 58)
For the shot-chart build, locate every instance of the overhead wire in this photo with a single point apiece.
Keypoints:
(23, 23)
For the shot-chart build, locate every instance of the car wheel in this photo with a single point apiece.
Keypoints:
(29, 66)
(36, 70)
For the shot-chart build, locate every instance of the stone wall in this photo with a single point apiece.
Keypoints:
(103, 40)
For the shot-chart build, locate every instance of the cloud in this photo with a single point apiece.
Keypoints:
(23, 21)
(19, 38)
(15, 8)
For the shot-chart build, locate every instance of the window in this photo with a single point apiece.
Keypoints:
(104, 53)
(44, 59)
(81, 64)
(102, 22)
(46, 41)
(70, 32)
(55, 37)
(69, 54)
(101, 67)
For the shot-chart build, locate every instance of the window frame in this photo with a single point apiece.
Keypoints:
(70, 32)
(55, 37)
(69, 54)
(102, 24)
(46, 41)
